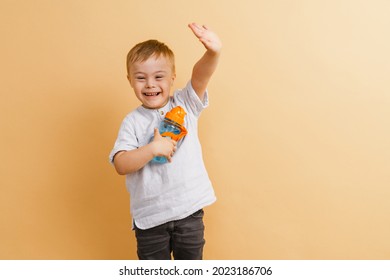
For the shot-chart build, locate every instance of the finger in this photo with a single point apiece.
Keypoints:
(204, 40)
(195, 26)
(173, 142)
(156, 132)
(196, 29)
(192, 27)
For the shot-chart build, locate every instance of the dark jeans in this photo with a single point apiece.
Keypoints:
(183, 238)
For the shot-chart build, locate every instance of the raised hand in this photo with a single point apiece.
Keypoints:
(208, 38)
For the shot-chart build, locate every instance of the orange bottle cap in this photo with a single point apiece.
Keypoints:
(177, 115)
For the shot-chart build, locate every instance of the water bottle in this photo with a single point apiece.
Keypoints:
(172, 127)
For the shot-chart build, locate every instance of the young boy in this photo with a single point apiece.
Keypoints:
(166, 199)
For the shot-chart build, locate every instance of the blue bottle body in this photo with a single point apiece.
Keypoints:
(166, 126)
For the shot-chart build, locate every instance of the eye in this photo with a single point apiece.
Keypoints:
(140, 78)
(159, 77)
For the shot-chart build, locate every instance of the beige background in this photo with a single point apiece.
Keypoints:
(296, 140)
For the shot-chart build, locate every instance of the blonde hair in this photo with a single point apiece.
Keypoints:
(142, 51)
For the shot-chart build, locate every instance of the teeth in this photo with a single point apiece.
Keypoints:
(151, 93)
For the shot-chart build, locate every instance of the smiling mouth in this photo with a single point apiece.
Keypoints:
(151, 93)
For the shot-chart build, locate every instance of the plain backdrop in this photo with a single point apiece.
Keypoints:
(296, 139)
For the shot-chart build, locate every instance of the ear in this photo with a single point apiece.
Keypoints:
(129, 79)
(173, 78)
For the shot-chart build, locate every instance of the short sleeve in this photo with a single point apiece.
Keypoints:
(191, 100)
(126, 140)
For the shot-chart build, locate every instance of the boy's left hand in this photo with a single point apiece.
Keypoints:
(208, 38)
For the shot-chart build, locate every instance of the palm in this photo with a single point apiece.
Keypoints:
(208, 38)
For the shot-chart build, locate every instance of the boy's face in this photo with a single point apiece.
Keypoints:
(151, 81)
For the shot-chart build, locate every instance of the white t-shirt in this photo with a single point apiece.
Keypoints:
(160, 193)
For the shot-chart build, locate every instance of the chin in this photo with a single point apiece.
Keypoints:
(155, 106)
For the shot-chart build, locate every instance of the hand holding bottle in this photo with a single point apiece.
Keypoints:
(163, 146)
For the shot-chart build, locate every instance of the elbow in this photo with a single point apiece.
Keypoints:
(120, 171)
(118, 164)
(125, 165)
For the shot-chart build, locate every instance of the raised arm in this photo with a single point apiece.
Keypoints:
(206, 65)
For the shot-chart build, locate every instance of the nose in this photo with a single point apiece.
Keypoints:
(149, 83)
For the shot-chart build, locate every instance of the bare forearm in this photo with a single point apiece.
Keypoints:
(131, 161)
(203, 70)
